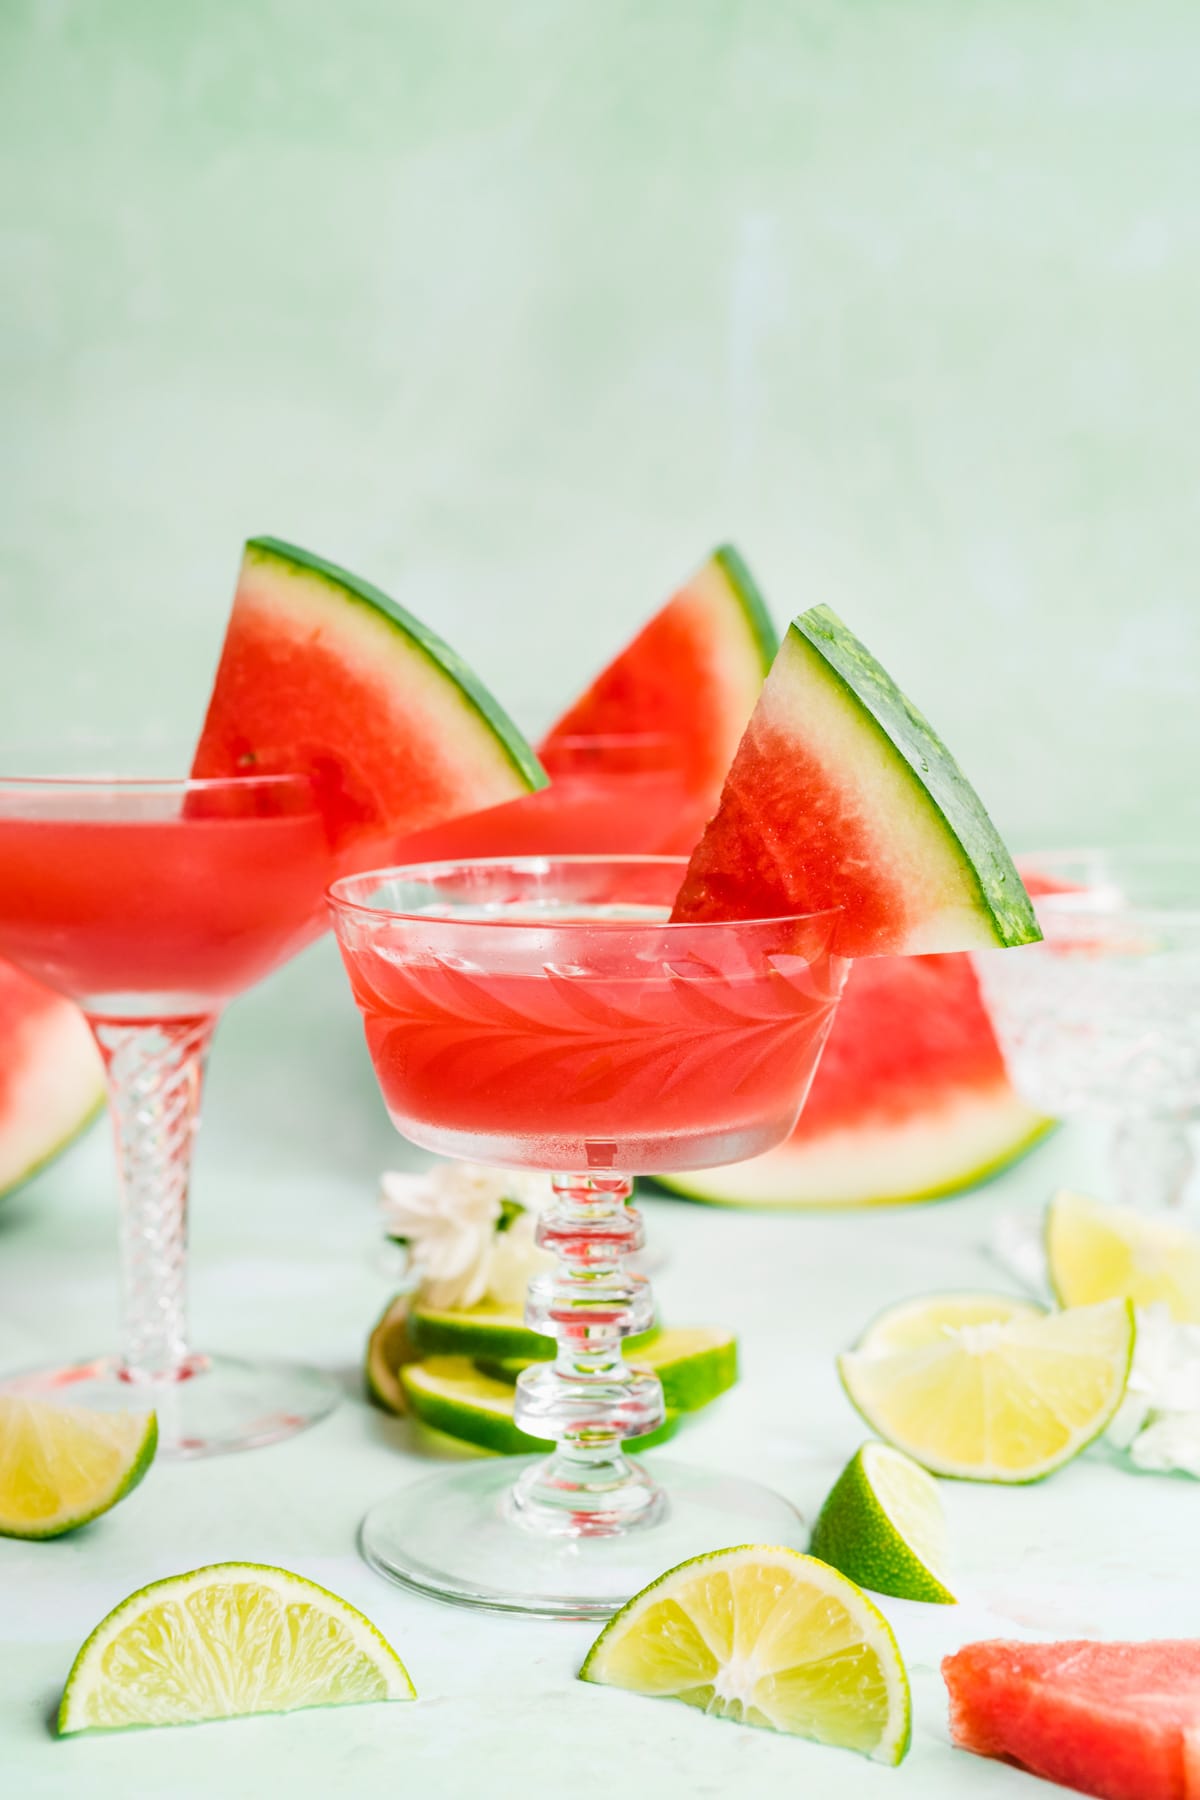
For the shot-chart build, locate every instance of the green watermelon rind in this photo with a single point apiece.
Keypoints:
(935, 778)
(683, 1186)
(749, 597)
(42, 1160)
(445, 662)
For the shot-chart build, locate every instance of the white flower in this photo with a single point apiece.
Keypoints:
(448, 1216)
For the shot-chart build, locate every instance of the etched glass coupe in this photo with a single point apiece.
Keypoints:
(1102, 1018)
(540, 1013)
(152, 904)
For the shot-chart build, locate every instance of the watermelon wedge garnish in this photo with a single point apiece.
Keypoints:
(51, 1078)
(693, 674)
(841, 794)
(1116, 1719)
(910, 1101)
(323, 674)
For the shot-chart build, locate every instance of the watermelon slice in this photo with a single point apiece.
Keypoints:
(322, 674)
(51, 1078)
(841, 795)
(1118, 1720)
(692, 674)
(910, 1101)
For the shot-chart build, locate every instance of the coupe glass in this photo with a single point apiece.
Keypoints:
(1103, 1016)
(152, 904)
(540, 1013)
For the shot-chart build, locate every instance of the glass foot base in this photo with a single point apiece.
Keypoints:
(220, 1403)
(458, 1537)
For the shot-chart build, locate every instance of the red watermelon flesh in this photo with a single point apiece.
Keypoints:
(910, 1100)
(51, 1079)
(841, 795)
(690, 677)
(1118, 1720)
(322, 674)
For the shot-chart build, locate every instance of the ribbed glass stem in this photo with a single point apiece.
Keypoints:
(155, 1079)
(588, 1399)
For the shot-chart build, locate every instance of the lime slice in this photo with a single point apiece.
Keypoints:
(766, 1637)
(388, 1347)
(1006, 1398)
(695, 1363)
(928, 1319)
(450, 1394)
(61, 1466)
(495, 1332)
(1100, 1252)
(882, 1524)
(229, 1639)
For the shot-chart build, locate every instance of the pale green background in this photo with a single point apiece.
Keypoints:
(517, 305)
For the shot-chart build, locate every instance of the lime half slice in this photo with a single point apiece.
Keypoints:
(388, 1348)
(226, 1640)
(766, 1637)
(882, 1524)
(450, 1394)
(1100, 1252)
(695, 1363)
(1008, 1398)
(61, 1465)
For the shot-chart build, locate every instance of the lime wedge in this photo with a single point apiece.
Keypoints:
(388, 1347)
(450, 1394)
(495, 1332)
(931, 1317)
(766, 1637)
(882, 1524)
(61, 1466)
(219, 1642)
(1007, 1398)
(1100, 1252)
(695, 1363)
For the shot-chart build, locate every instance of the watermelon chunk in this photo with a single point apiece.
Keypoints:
(910, 1100)
(841, 795)
(1118, 1720)
(693, 673)
(322, 674)
(51, 1077)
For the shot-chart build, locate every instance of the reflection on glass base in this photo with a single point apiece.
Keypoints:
(456, 1536)
(220, 1403)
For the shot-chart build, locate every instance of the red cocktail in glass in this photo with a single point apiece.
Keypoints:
(541, 1013)
(152, 904)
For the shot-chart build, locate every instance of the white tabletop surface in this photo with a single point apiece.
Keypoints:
(286, 1260)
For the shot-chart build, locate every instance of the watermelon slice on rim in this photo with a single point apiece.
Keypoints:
(1118, 1720)
(840, 794)
(323, 674)
(910, 1101)
(51, 1078)
(693, 674)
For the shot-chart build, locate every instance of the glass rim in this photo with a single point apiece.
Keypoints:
(1077, 903)
(339, 902)
(157, 784)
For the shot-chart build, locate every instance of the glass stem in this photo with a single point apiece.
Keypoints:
(588, 1400)
(155, 1077)
(1154, 1161)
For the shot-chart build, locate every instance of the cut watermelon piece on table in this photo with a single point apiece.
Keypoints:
(322, 674)
(51, 1078)
(910, 1100)
(842, 795)
(1118, 1720)
(693, 675)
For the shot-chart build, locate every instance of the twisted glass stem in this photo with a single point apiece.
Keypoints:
(588, 1399)
(155, 1078)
